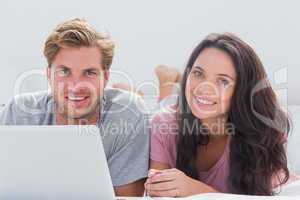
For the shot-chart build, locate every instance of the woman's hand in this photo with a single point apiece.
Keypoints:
(173, 183)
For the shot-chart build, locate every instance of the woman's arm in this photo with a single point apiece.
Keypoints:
(166, 182)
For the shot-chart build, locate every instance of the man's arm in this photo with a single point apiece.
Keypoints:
(7, 114)
(135, 189)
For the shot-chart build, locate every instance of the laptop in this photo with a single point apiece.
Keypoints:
(53, 162)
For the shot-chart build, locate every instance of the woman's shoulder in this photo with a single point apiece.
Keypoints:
(165, 121)
(167, 113)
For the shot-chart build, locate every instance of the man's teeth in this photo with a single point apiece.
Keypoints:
(76, 98)
(206, 102)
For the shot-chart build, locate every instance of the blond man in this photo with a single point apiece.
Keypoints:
(79, 60)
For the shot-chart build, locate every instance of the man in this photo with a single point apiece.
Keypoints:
(79, 59)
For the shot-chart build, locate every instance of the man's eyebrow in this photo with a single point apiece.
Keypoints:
(226, 75)
(63, 66)
(91, 69)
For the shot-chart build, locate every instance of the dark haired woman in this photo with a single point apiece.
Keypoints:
(226, 133)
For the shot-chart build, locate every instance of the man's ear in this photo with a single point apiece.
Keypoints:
(49, 76)
(106, 75)
(48, 71)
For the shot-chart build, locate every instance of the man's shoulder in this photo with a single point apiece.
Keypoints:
(27, 108)
(125, 122)
(31, 102)
(121, 103)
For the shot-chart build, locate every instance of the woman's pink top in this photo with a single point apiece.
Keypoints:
(164, 129)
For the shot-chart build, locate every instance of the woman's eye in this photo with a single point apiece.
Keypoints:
(224, 82)
(197, 74)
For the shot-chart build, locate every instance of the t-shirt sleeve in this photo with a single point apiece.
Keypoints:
(130, 159)
(7, 114)
(162, 139)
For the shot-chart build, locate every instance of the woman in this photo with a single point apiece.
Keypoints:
(226, 133)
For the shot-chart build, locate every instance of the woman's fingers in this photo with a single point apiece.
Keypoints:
(164, 184)
(169, 185)
(166, 193)
(163, 177)
(153, 172)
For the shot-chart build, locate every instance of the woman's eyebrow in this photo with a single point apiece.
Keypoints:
(226, 75)
(199, 68)
(202, 70)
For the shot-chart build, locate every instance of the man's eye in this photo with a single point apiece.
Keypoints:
(63, 72)
(91, 73)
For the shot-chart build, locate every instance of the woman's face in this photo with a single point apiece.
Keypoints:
(210, 84)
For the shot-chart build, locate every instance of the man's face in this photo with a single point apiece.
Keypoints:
(77, 81)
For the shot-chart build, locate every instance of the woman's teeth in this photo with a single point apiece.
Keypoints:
(203, 101)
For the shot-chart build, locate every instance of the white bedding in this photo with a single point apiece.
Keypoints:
(292, 189)
(294, 140)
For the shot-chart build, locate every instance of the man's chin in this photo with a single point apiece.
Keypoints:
(81, 115)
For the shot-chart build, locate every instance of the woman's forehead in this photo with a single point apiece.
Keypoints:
(215, 61)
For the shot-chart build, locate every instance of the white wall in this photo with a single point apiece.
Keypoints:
(149, 33)
(155, 32)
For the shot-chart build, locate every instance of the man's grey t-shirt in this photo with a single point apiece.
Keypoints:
(123, 126)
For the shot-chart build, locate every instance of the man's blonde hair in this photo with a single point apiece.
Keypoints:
(78, 33)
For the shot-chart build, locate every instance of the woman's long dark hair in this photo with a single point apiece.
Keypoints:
(257, 147)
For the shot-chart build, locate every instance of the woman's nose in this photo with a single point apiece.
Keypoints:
(206, 88)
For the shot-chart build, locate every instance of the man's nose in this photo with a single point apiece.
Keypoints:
(76, 85)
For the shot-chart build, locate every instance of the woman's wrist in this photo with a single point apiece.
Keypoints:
(202, 188)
